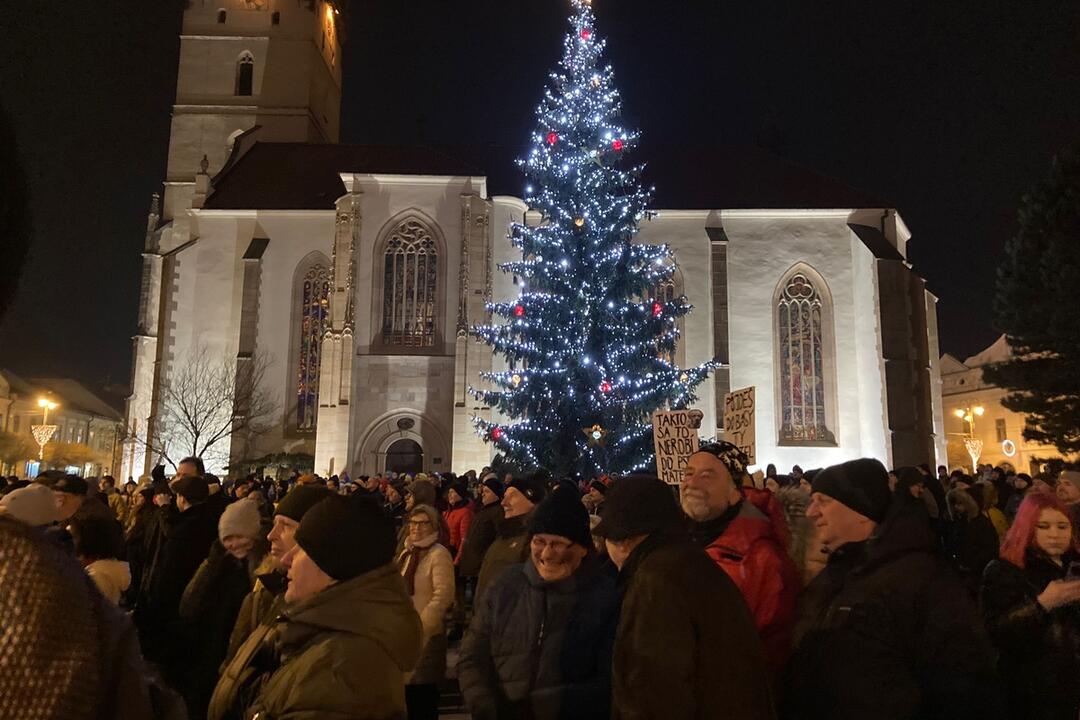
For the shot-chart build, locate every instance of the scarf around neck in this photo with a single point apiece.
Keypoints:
(414, 553)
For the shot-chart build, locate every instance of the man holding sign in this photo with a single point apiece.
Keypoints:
(743, 535)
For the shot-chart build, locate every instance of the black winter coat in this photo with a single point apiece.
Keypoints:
(1040, 649)
(208, 611)
(686, 646)
(541, 651)
(187, 539)
(482, 532)
(886, 631)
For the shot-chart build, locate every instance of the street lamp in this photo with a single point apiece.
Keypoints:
(44, 432)
(973, 444)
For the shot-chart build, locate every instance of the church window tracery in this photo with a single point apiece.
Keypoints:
(314, 316)
(803, 321)
(410, 274)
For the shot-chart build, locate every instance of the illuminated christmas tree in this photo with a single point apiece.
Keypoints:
(591, 337)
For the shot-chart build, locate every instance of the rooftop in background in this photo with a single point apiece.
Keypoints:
(70, 394)
(299, 176)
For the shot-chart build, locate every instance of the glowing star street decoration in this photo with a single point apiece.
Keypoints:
(1008, 447)
(515, 379)
(595, 435)
(595, 348)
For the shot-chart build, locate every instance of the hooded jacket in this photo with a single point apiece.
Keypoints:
(750, 550)
(111, 576)
(1040, 649)
(541, 650)
(342, 654)
(686, 646)
(886, 631)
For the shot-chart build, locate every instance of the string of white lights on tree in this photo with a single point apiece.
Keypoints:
(588, 340)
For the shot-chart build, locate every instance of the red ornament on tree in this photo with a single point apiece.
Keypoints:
(586, 34)
(496, 433)
(552, 138)
(616, 144)
(519, 311)
(605, 387)
(657, 309)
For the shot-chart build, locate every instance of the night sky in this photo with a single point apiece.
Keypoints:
(949, 110)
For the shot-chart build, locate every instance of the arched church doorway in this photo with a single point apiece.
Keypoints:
(405, 456)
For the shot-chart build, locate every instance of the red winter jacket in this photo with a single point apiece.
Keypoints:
(458, 519)
(751, 552)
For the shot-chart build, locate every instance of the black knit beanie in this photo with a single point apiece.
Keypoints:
(532, 488)
(562, 514)
(347, 536)
(300, 499)
(495, 486)
(862, 485)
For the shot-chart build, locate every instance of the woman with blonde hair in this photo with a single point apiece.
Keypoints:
(428, 570)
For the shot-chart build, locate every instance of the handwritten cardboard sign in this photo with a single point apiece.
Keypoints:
(675, 439)
(739, 411)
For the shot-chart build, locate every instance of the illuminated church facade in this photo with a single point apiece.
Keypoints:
(353, 273)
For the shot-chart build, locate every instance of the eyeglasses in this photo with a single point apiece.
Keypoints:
(540, 545)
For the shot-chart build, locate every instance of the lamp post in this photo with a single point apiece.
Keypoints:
(973, 444)
(44, 432)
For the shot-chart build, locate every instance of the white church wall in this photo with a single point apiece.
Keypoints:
(685, 232)
(293, 236)
(763, 245)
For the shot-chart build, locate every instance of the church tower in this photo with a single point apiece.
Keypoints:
(249, 70)
(274, 65)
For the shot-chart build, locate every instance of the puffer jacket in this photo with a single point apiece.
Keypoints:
(1040, 649)
(686, 646)
(479, 538)
(746, 545)
(510, 547)
(343, 653)
(433, 595)
(458, 518)
(886, 631)
(541, 650)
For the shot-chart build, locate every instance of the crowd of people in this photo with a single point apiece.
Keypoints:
(845, 592)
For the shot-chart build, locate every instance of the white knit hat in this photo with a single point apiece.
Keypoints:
(241, 518)
(34, 505)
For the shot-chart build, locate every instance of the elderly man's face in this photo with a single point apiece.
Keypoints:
(555, 557)
(707, 488)
(836, 523)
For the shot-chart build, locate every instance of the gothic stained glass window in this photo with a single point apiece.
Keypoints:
(409, 284)
(802, 371)
(314, 314)
(664, 292)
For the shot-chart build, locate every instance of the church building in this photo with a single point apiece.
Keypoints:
(346, 278)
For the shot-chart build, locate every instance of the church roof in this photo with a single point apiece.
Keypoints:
(301, 176)
(999, 351)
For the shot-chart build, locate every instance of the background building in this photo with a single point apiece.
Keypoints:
(1000, 429)
(88, 434)
(347, 277)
